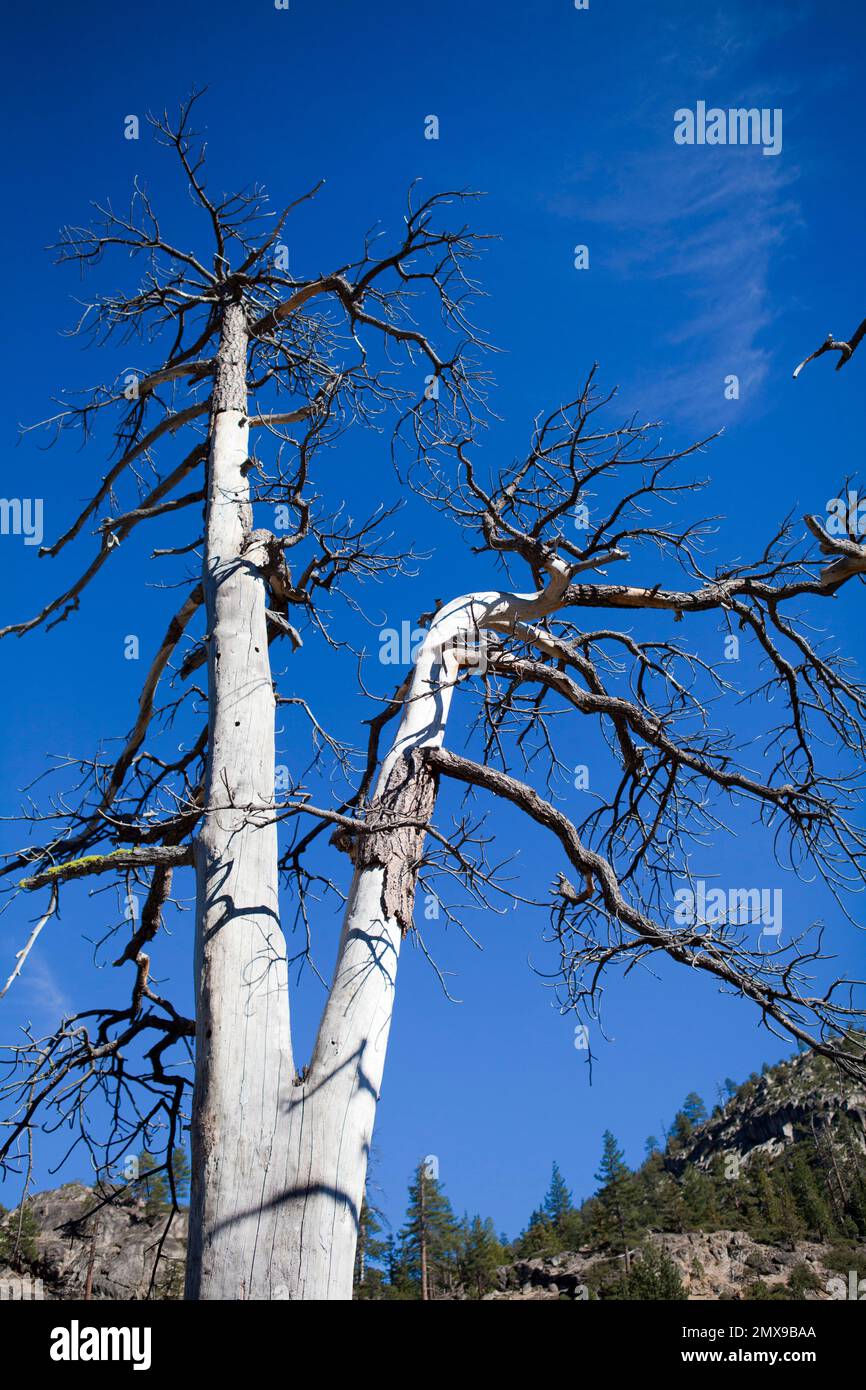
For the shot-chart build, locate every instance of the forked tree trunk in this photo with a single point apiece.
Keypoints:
(279, 1161)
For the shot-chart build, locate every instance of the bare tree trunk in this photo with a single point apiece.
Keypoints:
(88, 1280)
(335, 1108)
(243, 1052)
(331, 1122)
(626, 1251)
(425, 1293)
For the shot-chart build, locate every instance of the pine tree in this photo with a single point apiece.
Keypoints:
(699, 1199)
(572, 1230)
(154, 1183)
(768, 1208)
(790, 1224)
(370, 1251)
(617, 1197)
(648, 1183)
(539, 1237)
(855, 1169)
(694, 1109)
(431, 1235)
(18, 1232)
(811, 1203)
(400, 1283)
(727, 1193)
(481, 1256)
(653, 1276)
(613, 1168)
(557, 1203)
(680, 1132)
(182, 1174)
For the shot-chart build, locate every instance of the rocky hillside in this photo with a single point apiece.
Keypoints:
(108, 1255)
(711, 1266)
(803, 1099)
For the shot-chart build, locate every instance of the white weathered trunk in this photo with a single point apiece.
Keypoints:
(335, 1109)
(332, 1119)
(243, 1052)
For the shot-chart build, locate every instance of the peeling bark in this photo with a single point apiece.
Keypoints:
(408, 796)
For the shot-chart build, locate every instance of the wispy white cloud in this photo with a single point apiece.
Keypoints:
(717, 40)
(711, 228)
(39, 995)
(706, 222)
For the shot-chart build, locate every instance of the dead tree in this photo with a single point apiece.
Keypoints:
(845, 350)
(279, 1150)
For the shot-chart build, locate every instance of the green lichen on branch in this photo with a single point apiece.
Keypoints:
(103, 863)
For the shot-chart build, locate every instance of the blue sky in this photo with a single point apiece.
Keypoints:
(703, 262)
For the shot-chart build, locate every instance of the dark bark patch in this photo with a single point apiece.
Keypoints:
(395, 841)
